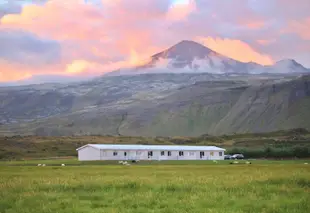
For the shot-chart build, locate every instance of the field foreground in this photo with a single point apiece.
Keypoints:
(156, 188)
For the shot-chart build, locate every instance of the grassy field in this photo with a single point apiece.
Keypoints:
(195, 186)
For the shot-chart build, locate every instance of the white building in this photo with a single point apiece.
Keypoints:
(91, 152)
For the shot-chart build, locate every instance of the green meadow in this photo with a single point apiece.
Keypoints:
(196, 186)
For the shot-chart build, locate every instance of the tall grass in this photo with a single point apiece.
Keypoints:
(148, 188)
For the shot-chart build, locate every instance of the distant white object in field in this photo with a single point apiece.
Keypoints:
(39, 164)
(43, 164)
(215, 161)
(120, 162)
(306, 163)
(248, 162)
(62, 164)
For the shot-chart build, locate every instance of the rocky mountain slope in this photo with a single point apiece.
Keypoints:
(159, 105)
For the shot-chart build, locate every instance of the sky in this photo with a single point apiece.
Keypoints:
(92, 37)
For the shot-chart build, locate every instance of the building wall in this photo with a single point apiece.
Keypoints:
(217, 156)
(88, 153)
(143, 155)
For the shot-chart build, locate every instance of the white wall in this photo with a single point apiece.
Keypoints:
(143, 155)
(88, 153)
(216, 155)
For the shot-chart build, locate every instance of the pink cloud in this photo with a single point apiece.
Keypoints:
(237, 50)
(255, 25)
(14, 71)
(302, 28)
(122, 33)
(265, 42)
(96, 35)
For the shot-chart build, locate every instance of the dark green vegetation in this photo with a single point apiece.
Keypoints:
(158, 105)
(273, 188)
(280, 144)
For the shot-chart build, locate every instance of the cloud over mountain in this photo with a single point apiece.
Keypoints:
(98, 36)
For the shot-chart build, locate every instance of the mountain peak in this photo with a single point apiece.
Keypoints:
(188, 43)
(288, 61)
(190, 47)
(189, 56)
(185, 50)
(290, 66)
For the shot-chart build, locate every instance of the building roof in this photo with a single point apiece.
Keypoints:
(153, 147)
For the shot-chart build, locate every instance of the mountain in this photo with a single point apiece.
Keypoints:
(287, 66)
(186, 90)
(158, 105)
(188, 57)
(191, 57)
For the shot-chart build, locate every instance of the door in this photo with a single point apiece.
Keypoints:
(169, 155)
(202, 155)
(181, 155)
(125, 155)
(150, 155)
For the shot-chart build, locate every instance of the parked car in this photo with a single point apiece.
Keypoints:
(227, 157)
(237, 156)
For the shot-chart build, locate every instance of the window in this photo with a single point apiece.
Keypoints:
(138, 153)
(191, 153)
(162, 153)
(220, 153)
(125, 153)
(211, 153)
(181, 153)
(150, 153)
(114, 153)
(169, 153)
